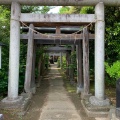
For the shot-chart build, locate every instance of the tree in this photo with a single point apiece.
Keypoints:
(35, 9)
(112, 39)
(70, 10)
(5, 37)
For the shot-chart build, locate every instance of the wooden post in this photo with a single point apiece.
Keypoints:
(14, 54)
(79, 67)
(69, 63)
(33, 85)
(67, 69)
(29, 61)
(60, 59)
(58, 30)
(42, 65)
(86, 62)
(72, 69)
(39, 71)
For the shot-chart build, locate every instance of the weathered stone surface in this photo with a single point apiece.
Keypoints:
(118, 99)
(11, 104)
(20, 105)
(95, 111)
(112, 114)
(1, 117)
(97, 102)
(118, 113)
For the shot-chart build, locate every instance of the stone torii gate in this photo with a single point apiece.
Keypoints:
(38, 20)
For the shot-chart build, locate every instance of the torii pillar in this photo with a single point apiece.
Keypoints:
(67, 64)
(86, 79)
(29, 61)
(33, 84)
(71, 68)
(14, 55)
(80, 82)
(60, 59)
(99, 98)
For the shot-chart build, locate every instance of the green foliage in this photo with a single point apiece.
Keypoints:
(64, 62)
(58, 62)
(46, 58)
(69, 10)
(112, 36)
(73, 65)
(4, 38)
(29, 9)
(35, 9)
(113, 70)
(73, 58)
(112, 44)
(44, 9)
(88, 10)
(64, 10)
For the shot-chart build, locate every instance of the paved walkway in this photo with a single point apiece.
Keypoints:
(58, 105)
(53, 102)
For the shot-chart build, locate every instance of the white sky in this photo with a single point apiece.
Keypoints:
(55, 10)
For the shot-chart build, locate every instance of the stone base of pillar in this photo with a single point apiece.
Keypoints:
(79, 90)
(20, 106)
(7, 103)
(95, 101)
(95, 111)
(118, 113)
(85, 96)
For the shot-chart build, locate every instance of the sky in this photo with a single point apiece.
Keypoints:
(55, 10)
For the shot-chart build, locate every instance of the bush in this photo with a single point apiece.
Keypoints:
(113, 71)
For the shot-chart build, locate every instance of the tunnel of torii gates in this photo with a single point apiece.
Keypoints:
(81, 40)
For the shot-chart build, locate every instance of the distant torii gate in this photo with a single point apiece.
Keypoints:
(55, 20)
(74, 39)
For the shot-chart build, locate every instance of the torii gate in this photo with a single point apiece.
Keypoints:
(74, 39)
(98, 18)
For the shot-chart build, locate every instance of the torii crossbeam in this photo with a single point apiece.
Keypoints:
(63, 2)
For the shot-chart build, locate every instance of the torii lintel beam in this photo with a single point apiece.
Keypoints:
(58, 49)
(70, 39)
(55, 42)
(63, 29)
(57, 19)
(62, 2)
(57, 36)
(65, 38)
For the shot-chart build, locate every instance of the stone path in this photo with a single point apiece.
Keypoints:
(58, 105)
(53, 102)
